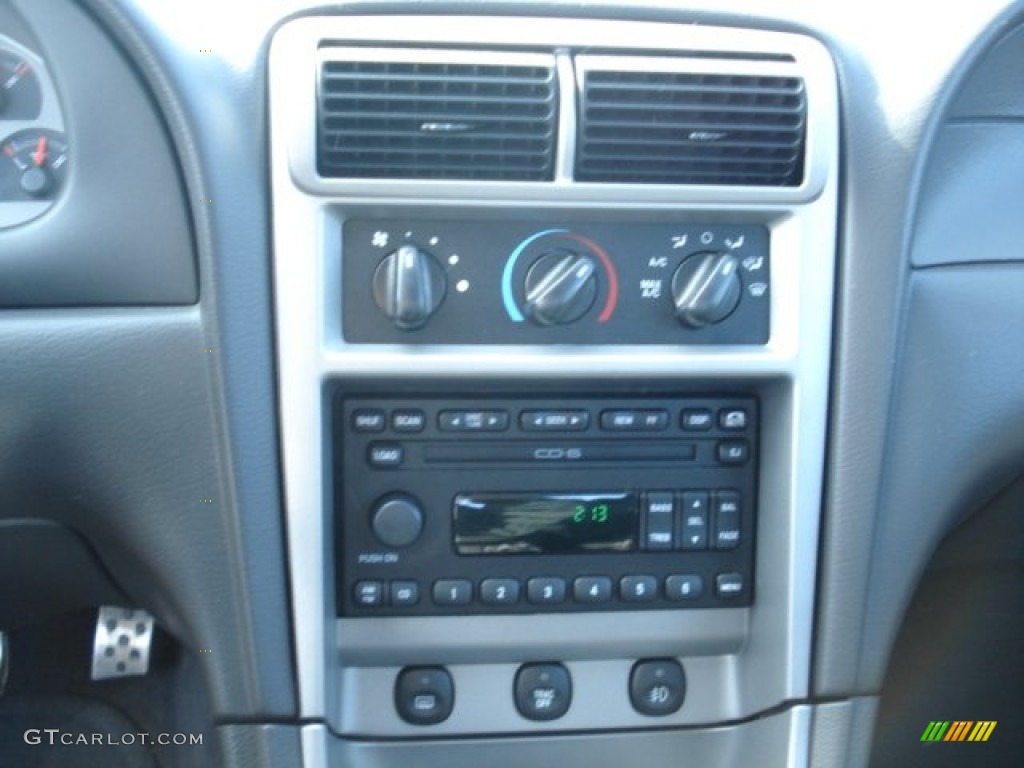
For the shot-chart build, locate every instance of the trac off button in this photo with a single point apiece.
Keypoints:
(543, 691)
(657, 687)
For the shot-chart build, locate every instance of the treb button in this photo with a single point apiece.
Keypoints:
(659, 508)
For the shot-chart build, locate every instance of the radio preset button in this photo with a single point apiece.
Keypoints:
(369, 420)
(499, 591)
(404, 593)
(638, 589)
(693, 515)
(733, 451)
(408, 421)
(545, 590)
(733, 419)
(696, 419)
(729, 585)
(727, 520)
(369, 594)
(554, 421)
(424, 695)
(542, 691)
(385, 455)
(397, 521)
(592, 589)
(659, 518)
(628, 420)
(472, 421)
(452, 592)
(684, 586)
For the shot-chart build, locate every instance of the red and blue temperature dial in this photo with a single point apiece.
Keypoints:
(561, 279)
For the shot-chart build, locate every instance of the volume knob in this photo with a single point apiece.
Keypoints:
(560, 288)
(706, 288)
(397, 520)
(408, 286)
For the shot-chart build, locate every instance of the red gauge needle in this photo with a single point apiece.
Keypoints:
(39, 156)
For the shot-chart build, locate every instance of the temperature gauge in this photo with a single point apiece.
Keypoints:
(21, 97)
(33, 164)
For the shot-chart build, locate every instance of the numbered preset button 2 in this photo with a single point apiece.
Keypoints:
(499, 591)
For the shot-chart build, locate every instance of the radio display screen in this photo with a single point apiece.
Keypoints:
(544, 523)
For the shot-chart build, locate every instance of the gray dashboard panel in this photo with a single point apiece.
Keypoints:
(120, 231)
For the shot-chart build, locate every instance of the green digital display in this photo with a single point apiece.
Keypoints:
(544, 523)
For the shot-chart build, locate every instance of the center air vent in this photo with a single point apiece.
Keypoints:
(642, 125)
(401, 114)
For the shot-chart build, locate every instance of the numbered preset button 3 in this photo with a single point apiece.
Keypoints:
(545, 590)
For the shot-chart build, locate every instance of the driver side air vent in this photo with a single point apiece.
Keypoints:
(690, 127)
(405, 114)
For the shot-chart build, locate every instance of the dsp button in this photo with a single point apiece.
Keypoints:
(657, 687)
(424, 695)
(542, 691)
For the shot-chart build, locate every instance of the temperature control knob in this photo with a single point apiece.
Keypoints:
(560, 288)
(408, 286)
(706, 288)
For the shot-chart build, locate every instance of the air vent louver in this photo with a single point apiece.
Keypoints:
(437, 119)
(691, 128)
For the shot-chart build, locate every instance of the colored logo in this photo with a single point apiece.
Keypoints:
(958, 730)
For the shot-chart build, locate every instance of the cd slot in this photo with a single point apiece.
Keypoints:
(558, 452)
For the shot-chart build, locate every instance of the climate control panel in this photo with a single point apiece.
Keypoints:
(513, 282)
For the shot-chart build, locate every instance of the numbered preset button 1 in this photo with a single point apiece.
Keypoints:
(452, 591)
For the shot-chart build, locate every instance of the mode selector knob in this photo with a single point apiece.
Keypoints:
(706, 288)
(408, 286)
(560, 288)
(397, 520)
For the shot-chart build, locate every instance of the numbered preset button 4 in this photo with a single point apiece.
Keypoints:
(592, 589)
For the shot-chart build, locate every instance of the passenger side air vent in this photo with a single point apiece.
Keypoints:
(407, 114)
(650, 122)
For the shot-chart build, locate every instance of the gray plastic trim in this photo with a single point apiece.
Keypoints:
(789, 373)
(786, 733)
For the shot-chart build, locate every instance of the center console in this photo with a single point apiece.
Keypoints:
(553, 304)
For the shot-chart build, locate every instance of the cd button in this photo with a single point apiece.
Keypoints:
(404, 593)
(544, 590)
(592, 589)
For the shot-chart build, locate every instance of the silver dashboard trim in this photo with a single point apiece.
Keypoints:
(790, 372)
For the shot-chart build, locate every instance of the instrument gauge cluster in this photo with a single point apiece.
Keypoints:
(34, 153)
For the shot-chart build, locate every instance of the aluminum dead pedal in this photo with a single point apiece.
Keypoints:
(122, 644)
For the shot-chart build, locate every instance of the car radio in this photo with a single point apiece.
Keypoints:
(493, 505)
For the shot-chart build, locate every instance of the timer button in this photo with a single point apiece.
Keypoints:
(397, 521)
